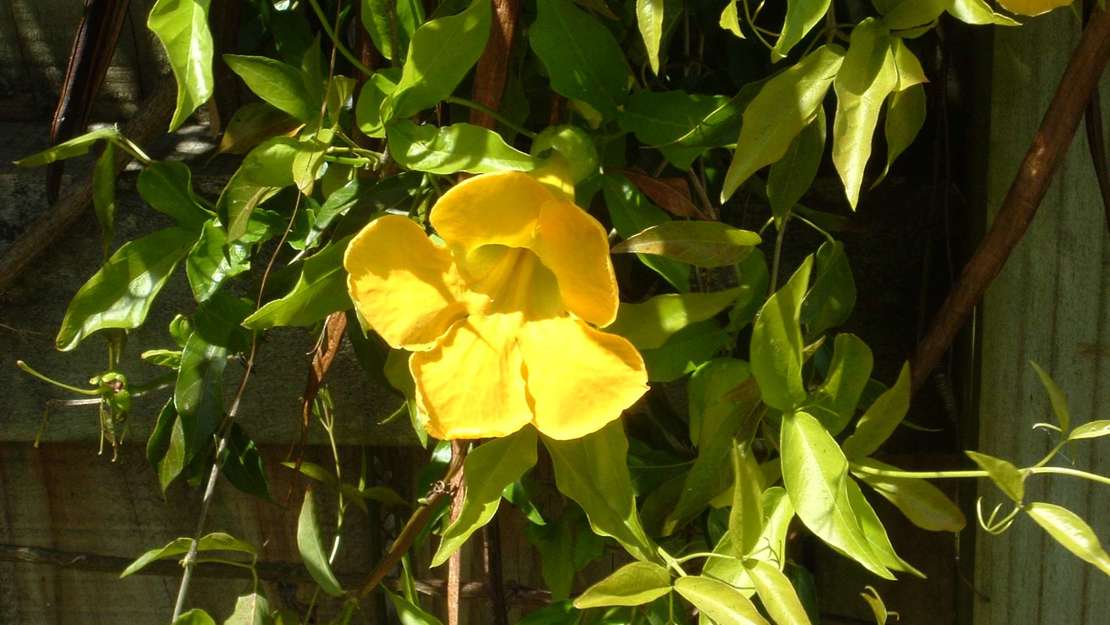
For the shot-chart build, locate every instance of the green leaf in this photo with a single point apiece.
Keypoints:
(801, 17)
(699, 243)
(1071, 531)
(320, 290)
(454, 148)
(558, 613)
(368, 107)
(408, 15)
(104, 193)
(593, 471)
(582, 57)
(216, 541)
(785, 105)
(166, 447)
(874, 531)
(252, 609)
(211, 261)
(489, 469)
(832, 297)
(649, 324)
(632, 584)
(791, 176)
(265, 170)
(839, 393)
(879, 422)
(906, 14)
(730, 19)
(905, 116)
(566, 546)
(649, 19)
(196, 616)
(441, 54)
(685, 351)
(746, 516)
(252, 124)
(119, 295)
(310, 545)
(875, 602)
(198, 393)
(408, 613)
(662, 118)
(770, 546)
(631, 212)
(1056, 397)
(1004, 475)
(978, 12)
(777, 593)
(76, 146)
(719, 601)
(241, 463)
(182, 27)
(1091, 429)
(776, 347)
(280, 84)
(167, 186)
(922, 503)
(866, 78)
(815, 473)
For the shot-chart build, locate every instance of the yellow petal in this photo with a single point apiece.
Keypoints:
(516, 210)
(402, 283)
(579, 378)
(472, 384)
(1032, 7)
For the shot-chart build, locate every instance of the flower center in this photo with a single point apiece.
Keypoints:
(514, 280)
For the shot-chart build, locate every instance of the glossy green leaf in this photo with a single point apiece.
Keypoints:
(216, 541)
(922, 503)
(558, 613)
(582, 58)
(770, 546)
(166, 446)
(879, 422)
(719, 601)
(1091, 429)
(265, 171)
(76, 146)
(815, 473)
(874, 531)
(699, 243)
(182, 27)
(675, 122)
(383, 28)
(906, 65)
(252, 124)
(839, 394)
(978, 12)
(211, 261)
(167, 187)
(777, 593)
(631, 212)
(310, 544)
(320, 290)
(785, 105)
(649, 19)
(776, 347)
(801, 17)
(791, 176)
(878, 607)
(730, 19)
(196, 616)
(832, 295)
(905, 116)
(489, 469)
(408, 613)
(252, 609)
(566, 546)
(441, 54)
(198, 393)
(368, 106)
(104, 193)
(454, 148)
(746, 514)
(906, 14)
(119, 295)
(1056, 397)
(1004, 475)
(863, 83)
(632, 584)
(242, 464)
(593, 471)
(1071, 531)
(280, 84)
(649, 324)
(685, 351)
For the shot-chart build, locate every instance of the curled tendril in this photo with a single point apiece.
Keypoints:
(992, 524)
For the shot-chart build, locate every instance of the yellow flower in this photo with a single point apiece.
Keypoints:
(499, 318)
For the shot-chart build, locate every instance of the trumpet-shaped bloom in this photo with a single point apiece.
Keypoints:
(501, 317)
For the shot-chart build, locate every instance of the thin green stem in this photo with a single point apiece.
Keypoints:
(134, 150)
(751, 22)
(776, 259)
(492, 113)
(335, 39)
(69, 387)
(971, 473)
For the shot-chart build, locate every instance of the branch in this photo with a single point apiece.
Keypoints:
(493, 67)
(1024, 197)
